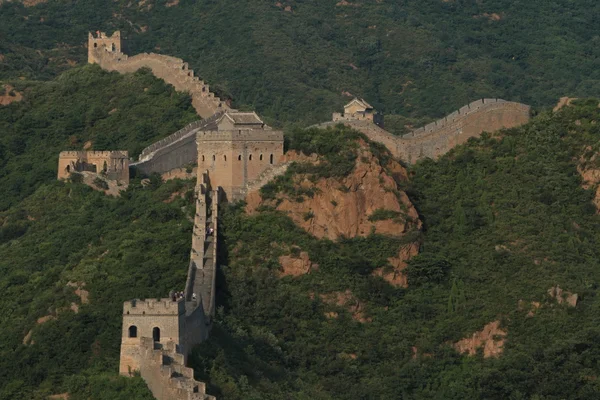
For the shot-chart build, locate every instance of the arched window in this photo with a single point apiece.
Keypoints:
(133, 331)
(104, 167)
(214, 157)
(261, 157)
(203, 157)
(224, 158)
(240, 157)
(68, 168)
(250, 157)
(156, 334)
(113, 47)
(95, 44)
(271, 159)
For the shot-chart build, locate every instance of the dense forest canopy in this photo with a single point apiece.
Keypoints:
(506, 217)
(300, 60)
(82, 107)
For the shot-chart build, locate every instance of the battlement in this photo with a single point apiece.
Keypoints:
(241, 135)
(97, 154)
(108, 53)
(164, 371)
(154, 307)
(476, 106)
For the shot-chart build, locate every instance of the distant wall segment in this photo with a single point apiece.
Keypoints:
(106, 51)
(439, 137)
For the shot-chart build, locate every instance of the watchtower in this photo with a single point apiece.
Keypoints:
(114, 165)
(101, 42)
(236, 150)
(359, 110)
(159, 319)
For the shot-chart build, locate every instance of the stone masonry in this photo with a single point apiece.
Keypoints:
(437, 138)
(106, 51)
(238, 149)
(158, 334)
(114, 165)
(235, 152)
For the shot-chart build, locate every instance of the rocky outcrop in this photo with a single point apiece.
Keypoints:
(562, 296)
(491, 338)
(393, 274)
(10, 95)
(345, 300)
(590, 173)
(345, 206)
(292, 265)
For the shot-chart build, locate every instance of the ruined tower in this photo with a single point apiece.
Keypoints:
(101, 42)
(236, 150)
(114, 165)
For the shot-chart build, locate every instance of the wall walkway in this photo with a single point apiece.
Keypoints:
(439, 137)
(171, 69)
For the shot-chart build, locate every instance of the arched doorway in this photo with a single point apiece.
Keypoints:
(156, 334)
(133, 331)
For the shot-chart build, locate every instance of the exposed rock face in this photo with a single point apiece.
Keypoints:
(347, 300)
(562, 296)
(563, 102)
(395, 277)
(10, 95)
(590, 174)
(491, 337)
(342, 206)
(296, 265)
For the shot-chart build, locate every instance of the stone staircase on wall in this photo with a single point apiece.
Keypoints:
(166, 375)
(265, 177)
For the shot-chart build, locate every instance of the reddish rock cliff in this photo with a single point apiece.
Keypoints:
(342, 206)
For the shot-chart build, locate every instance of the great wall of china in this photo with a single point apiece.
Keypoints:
(439, 137)
(158, 334)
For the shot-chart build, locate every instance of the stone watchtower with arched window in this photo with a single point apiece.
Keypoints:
(236, 150)
(163, 320)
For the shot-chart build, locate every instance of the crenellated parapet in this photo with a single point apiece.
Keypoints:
(164, 370)
(439, 137)
(107, 52)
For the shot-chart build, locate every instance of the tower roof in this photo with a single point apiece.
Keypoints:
(242, 118)
(359, 102)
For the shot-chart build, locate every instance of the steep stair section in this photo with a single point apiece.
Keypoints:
(166, 375)
(200, 286)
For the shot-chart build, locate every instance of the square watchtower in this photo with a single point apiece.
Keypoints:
(237, 149)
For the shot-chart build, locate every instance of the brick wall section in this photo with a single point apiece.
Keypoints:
(163, 369)
(235, 158)
(171, 69)
(117, 163)
(175, 151)
(437, 138)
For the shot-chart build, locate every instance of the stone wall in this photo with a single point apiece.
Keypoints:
(233, 159)
(175, 151)
(163, 368)
(437, 138)
(113, 164)
(172, 70)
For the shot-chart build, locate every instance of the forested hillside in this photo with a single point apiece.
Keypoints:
(505, 219)
(82, 107)
(300, 60)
